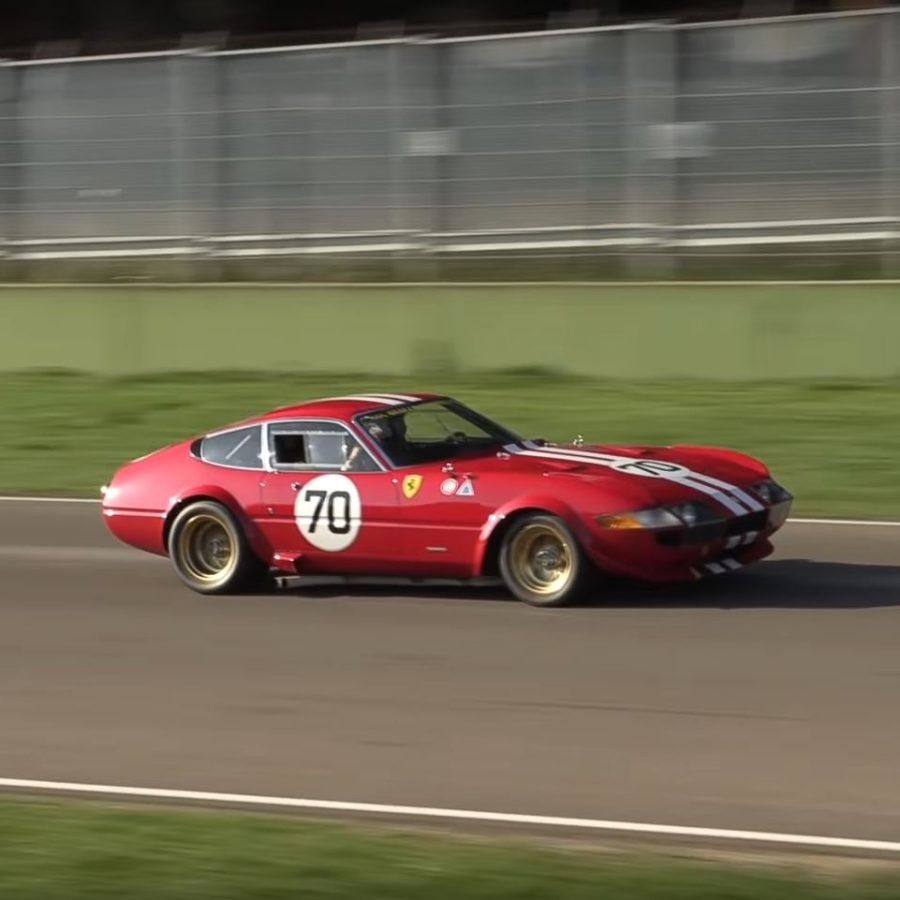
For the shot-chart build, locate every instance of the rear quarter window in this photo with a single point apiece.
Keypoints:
(239, 449)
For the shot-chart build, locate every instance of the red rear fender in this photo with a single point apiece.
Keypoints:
(217, 494)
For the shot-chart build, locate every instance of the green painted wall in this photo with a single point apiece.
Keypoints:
(721, 332)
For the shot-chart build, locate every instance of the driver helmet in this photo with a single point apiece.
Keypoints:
(388, 430)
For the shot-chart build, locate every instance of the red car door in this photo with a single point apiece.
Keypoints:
(446, 467)
(323, 508)
(442, 514)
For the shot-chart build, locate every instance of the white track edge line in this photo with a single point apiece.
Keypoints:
(883, 523)
(11, 498)
(460, 814)
(391, 285)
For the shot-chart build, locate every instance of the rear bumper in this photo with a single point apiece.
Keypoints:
(136, 527)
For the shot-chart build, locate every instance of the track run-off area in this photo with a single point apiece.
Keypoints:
(758, 707)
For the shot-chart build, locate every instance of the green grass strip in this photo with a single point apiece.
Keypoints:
(835, 444)
(80, 851)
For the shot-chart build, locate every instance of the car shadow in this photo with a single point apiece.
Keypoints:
(777, 584)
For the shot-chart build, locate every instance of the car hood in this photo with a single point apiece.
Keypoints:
(645, 474)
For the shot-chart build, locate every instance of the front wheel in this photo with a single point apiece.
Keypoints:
(210, 553)
(542, 563)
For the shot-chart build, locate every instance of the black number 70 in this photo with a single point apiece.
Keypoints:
(336, 524)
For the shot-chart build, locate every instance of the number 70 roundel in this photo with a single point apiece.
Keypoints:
(328, 512)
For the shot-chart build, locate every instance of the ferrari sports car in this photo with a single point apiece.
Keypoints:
(422, 486)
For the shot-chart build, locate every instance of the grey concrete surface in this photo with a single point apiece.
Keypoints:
(764, 700)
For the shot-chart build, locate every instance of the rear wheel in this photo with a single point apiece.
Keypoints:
(210, 553)
(542, 563)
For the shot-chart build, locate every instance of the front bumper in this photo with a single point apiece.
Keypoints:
(731, 562)
(688, 554)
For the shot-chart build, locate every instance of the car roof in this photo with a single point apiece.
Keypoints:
(345, 407)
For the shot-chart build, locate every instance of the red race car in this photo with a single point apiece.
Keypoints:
(420, 485)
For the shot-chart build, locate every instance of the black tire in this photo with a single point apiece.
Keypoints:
(210, 553)
(542, 563)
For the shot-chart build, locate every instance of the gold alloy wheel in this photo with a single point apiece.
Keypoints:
(206, 549)
(541, 559)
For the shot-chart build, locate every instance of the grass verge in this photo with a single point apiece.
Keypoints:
(61, 850)
(835, 444)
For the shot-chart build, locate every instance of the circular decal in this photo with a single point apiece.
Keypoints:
(650, 468)
(328, 512)
(449, 486)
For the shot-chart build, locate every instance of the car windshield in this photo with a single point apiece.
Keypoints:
(432, 431)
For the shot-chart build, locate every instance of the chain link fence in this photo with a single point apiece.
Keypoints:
(766, 147)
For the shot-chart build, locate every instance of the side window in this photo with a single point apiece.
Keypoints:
(239, 448)
(317, 446)
(288, 449)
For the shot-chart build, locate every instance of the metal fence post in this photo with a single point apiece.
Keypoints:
(661, 163)
(426, 144)
(443, 193)
(890, 137)
(582, 127)
(633, 174)
(217, 222)
(397, 121)
(183, 220)
(650, 116)
(668, 172)
(196, 111)
(10, 154)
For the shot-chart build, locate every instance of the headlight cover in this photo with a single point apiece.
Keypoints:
(777, 499)
(679, 515)
(771, 492)
(692, 514)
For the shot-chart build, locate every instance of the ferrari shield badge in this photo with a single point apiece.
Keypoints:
(411, 485)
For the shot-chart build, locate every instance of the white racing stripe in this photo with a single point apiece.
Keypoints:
(738, 493)
(403, 398)
(687, 477)
(386, 399)
(371, 398)
(745, 500)
(724, 499)
(380, 399)
(610, 825)
(571, 451)
(732, 490)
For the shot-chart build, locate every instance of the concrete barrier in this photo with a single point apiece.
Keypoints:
(745, 332)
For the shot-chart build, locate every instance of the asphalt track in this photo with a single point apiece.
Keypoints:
(766, 700)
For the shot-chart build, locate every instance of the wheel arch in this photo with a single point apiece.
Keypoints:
(487, 561)
(215, 494)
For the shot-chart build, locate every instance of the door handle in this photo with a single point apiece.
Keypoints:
(296, 485)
